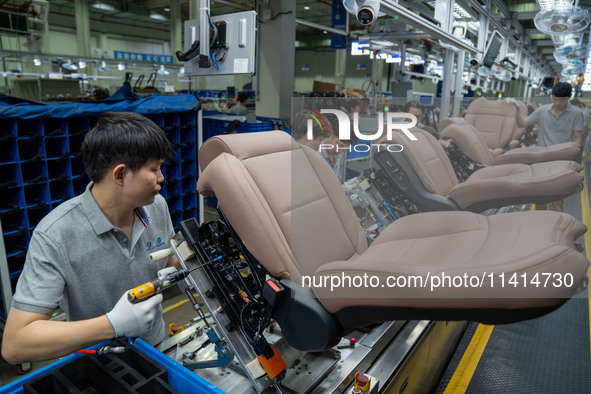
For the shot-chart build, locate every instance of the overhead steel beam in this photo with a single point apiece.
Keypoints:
(529, 15)
(502, 7)
(152, 3)
(533, 30)
(478, 7)
(231, 4)
(390, 7)
(508, 14)
(423, 9)
(134, 29)
(539, 43)
(468, 9)
(394, 36)
(321, 27)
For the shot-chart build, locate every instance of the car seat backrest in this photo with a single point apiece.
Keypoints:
(282, 199)
(448, 121)
(494, 119)
(428, 159)
(470, 141)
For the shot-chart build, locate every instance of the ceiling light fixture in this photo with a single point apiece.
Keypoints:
(68, 65)
(158, 17)
(103, 66)
(99, 5)
(382, 43)
(163, 71)
(307, 7)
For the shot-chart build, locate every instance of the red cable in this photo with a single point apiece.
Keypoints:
(86, 351)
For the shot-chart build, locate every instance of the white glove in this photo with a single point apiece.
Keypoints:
(134, 320)
(511, 100)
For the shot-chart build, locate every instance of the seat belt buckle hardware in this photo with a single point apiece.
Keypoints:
(272, 290)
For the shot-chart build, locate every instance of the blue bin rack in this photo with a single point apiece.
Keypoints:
(41, 167)
(179, 378)
(360, 152)
(216, 123)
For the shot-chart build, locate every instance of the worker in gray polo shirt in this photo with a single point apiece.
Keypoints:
(88, 252)
(557, 122)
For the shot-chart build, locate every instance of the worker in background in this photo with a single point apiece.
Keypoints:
(324, 139)
(87, 253)
(462, 111)
(435, 112)
(333, 150)
(351, 106)
(299, 131)
(418, 110)
(557, 122)
(240, 107)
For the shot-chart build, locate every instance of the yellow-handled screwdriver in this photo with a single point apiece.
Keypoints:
(148, 289)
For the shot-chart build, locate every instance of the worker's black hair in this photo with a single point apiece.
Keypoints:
(123, 138)
(299, 127)
(242, 97)
(414, 104)
(562, 89)
(351, 103)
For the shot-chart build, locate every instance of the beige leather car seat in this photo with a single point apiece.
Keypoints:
(495, 121)
(489, 187)
(291, 213)
(473, 145)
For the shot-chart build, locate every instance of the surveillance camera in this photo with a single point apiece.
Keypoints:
(368, 11)
(474, 62)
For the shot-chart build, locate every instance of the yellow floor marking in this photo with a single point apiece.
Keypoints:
(169, 308)
(461, 378)
(586, 213)
(463, 374)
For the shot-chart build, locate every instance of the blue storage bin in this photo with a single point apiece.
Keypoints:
(216, 125)
(358, 151)
(179, 378)
(8, 148)
(40, 164)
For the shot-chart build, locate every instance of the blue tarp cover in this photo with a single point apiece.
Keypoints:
(124, 100)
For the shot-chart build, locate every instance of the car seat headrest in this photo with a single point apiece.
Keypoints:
(244, 146)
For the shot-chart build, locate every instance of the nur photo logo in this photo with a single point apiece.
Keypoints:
(394, 121)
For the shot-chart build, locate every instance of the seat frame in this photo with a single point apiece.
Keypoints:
(400, 172)
(233, 167)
